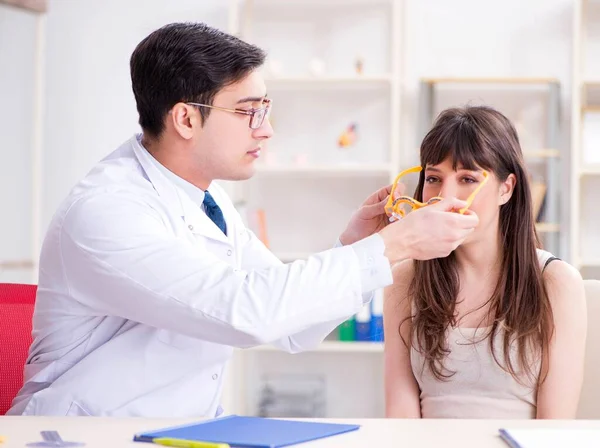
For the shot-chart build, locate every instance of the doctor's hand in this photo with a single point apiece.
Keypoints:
(429, 232)
(370, 217)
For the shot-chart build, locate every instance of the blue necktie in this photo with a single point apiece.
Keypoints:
(213, 211)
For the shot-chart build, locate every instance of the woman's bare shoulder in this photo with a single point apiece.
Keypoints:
(564, 284)
(397, 301)
(403, 274)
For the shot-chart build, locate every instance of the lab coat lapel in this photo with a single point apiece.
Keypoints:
(198, 222)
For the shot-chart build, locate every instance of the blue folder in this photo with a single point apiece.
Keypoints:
(250, 432)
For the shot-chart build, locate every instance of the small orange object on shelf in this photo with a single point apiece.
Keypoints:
(348, 137)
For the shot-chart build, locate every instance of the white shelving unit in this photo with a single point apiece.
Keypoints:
(306, 185)
(585, 139)
(312, 107)
(25, 269)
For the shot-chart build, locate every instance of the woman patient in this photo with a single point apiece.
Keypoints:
(497, 329)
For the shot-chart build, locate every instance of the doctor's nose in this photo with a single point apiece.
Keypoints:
(265, 130)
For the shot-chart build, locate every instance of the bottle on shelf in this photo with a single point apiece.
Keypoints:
(346, 330)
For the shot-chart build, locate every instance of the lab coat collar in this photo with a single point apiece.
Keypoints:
(191, 213)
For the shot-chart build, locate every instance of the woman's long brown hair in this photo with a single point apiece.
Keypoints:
(482, 138)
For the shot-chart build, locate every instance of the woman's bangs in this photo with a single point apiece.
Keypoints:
(461, 145)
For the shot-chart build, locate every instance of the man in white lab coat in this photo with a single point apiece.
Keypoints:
(148, 277)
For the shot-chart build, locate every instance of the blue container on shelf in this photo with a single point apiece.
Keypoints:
(363, 324)
(376, 327)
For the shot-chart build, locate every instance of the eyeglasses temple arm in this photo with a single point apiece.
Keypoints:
(474, 193)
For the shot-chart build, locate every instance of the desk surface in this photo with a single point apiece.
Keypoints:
(97, 432)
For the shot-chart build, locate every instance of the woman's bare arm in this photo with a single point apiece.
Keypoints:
(402, 395)
(558, 395)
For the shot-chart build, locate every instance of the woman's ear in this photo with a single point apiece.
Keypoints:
(506, 189)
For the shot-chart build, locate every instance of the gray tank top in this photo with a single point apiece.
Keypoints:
(480, 388)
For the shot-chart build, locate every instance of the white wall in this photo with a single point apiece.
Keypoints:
(17, 44)
(90, 107)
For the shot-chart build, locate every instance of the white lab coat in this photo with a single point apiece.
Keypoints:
(142, 298)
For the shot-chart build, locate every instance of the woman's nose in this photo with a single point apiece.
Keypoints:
(449, 190)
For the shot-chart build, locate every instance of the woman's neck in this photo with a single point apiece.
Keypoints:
(479, 264)
(481, 258)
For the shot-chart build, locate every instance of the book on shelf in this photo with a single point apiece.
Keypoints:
(261, 226)
(538, 197)
(362, 327)
(255, 219)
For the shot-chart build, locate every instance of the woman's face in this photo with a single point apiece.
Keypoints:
(442, 180)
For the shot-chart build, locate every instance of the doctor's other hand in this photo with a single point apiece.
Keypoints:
(430, 232)
(370, 218)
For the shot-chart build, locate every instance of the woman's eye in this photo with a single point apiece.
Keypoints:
(431, 179)
(469, 180)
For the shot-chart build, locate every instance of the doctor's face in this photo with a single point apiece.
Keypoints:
(230, 141)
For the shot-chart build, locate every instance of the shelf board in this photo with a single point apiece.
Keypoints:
(590, 170)
(334, 347)
(491, 80)
(328, 82)
(320, 170)
(590, 109)
(547, 227)
(541, 154)
(544, 153)
(590, 263)
(14, 265)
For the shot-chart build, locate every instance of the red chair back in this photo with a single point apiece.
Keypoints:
(16, 312)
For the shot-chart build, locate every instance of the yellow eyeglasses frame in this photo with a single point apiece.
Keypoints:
(392, 207)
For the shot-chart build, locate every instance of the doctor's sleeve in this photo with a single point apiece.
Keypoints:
(120, 258)
(374, 270)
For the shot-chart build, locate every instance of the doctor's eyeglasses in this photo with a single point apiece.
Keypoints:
(257, 116)
(394, 207)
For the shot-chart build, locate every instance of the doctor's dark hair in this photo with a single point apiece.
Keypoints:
(479, 137)
(186, 62)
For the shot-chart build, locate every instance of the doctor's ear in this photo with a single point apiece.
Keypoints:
(184, 118)
(506, 189)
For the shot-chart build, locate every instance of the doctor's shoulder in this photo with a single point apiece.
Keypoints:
(97, 209)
